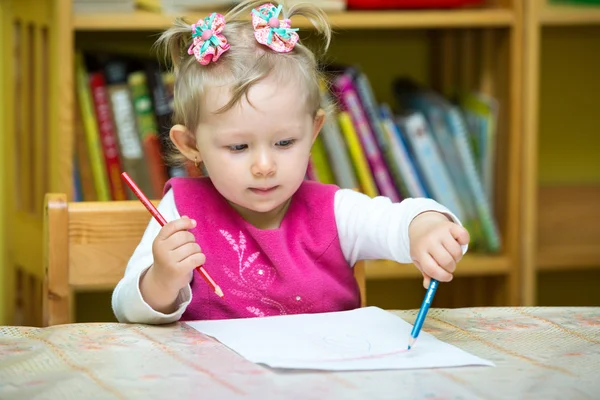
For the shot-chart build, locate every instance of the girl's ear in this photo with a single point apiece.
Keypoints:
(320, 118)
(185, 141)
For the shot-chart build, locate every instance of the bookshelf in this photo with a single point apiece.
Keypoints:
(561, 185)
(471, 266)
(449, 50)
(149, 21)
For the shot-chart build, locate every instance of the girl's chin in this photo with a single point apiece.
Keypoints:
(263, 207)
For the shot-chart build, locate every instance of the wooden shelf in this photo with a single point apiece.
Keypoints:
(569, 257)
(471, 265)
(149, 21)
(569, 227)
(569, 15)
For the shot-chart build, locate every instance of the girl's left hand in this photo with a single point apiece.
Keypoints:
(435, 245)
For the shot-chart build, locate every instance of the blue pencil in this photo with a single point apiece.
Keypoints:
(433, 284)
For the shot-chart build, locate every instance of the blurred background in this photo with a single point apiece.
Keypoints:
(490, 107)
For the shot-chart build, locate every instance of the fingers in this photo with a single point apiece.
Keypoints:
(438, 253)
(460, 234)
(431, 268)
(453, 248)
(192, 261)
(426, 281)
(443, 258)
(179, 239)
(182, 224)
(185, 251)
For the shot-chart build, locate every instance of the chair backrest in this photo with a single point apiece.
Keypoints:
(87, 246)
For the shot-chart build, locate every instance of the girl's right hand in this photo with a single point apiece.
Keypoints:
(176, 255)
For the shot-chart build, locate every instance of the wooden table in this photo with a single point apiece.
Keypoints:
(545, 353)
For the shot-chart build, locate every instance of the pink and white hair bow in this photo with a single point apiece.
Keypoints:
(271, 31)
(208, 41)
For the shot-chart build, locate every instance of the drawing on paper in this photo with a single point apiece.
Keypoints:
(352, 346)
(347, 345)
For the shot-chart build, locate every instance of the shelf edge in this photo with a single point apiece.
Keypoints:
(144, 20)
(471, 265)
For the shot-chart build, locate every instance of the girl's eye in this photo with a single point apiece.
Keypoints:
(285, 143)
(236, 148)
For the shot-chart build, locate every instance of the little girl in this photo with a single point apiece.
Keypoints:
(247, 106)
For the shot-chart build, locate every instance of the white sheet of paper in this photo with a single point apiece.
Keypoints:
(363, 339)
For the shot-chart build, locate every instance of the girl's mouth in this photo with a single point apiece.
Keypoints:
(263, 191)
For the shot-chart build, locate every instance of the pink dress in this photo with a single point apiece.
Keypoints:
(297, 268)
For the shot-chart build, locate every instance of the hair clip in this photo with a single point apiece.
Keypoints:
(271, 31)
(208, 41)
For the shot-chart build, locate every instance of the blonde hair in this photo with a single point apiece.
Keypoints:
(243, 65)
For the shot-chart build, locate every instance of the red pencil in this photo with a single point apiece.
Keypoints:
(161, 220)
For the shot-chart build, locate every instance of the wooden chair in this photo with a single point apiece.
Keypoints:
(87, 246)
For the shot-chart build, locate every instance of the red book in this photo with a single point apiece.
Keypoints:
(108, 136)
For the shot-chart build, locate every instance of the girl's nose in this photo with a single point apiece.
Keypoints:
(263, 165)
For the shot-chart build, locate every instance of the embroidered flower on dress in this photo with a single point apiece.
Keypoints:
(254, 278)
(255, 311)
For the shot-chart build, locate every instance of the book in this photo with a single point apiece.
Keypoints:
(449, 130)
(481, 116)
(403, 161)
(348, 96)
(320, 162)
(84, 168)
(148, 131)
(374, 118)
(337, 150)
(108, 136)
(132, 153)
(361, 166)
(94, 147)
(430, 161)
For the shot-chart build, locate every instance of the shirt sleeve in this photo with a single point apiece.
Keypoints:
(127, 302)
(376, 228)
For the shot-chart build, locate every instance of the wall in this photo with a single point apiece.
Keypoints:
(569, 150)
(569, 106)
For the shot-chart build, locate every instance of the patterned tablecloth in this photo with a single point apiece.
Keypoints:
(540, 353)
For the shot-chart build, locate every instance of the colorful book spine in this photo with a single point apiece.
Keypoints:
(320, 162)
(340, 162)
(484, 110)
(434, 110)
(91, 130)
(349, 98)
(488, 223)
(361, 166)
(108, 137)
(88, 188)
(406, 169)
(131, 150)
(162, 98)
(132, 154)
(148, 131)
(430, 162)
(367, 98)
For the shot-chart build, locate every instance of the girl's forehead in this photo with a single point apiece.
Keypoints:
(267, 99)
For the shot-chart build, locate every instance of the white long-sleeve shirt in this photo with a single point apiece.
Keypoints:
(368, 229)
